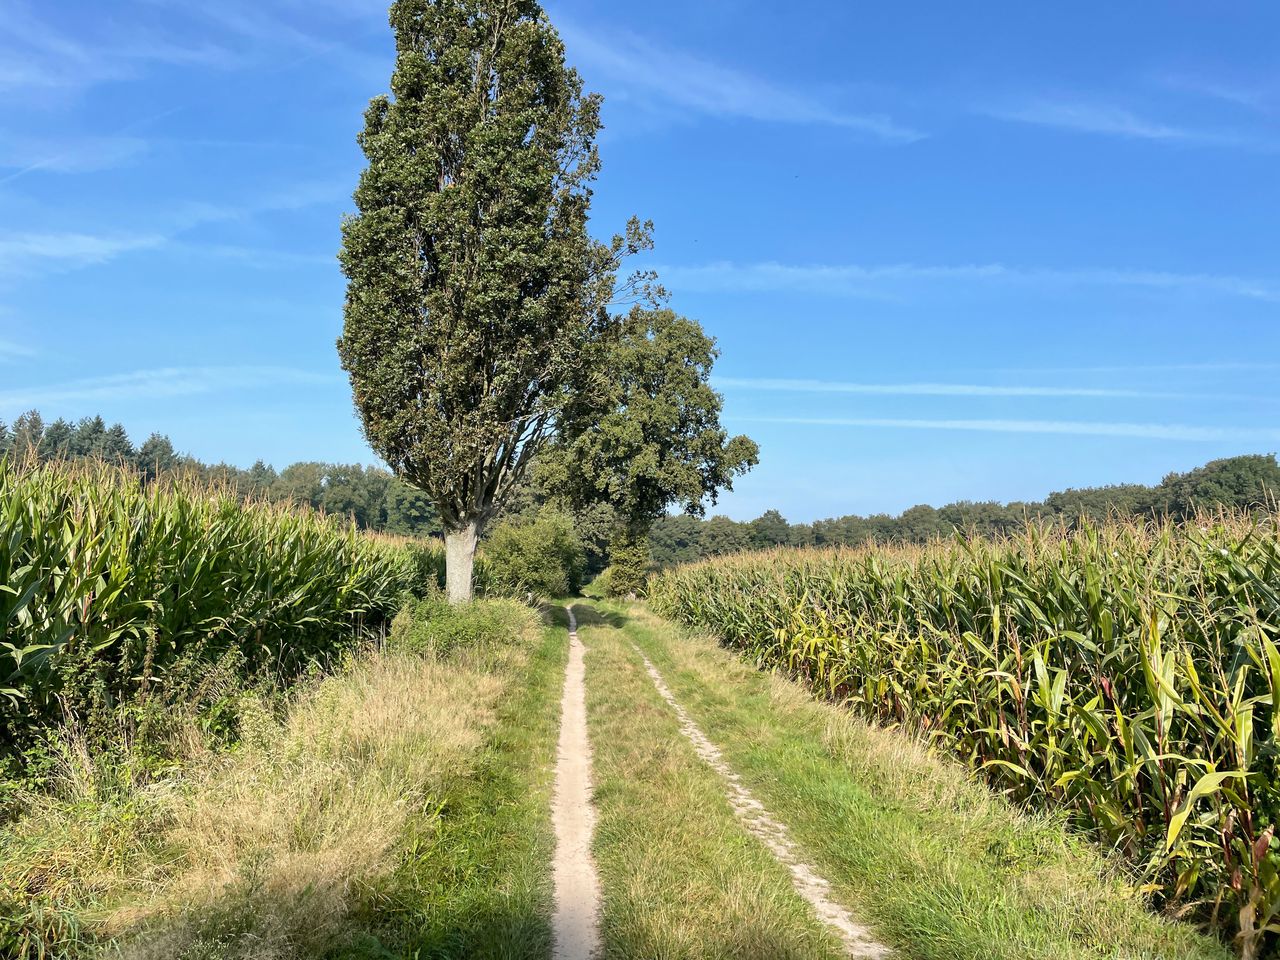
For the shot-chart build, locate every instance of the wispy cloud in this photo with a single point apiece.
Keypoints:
(265, 30)
(157, 384)
(297, 196)
(640, 70)
(23, 254)
(1111, 120)
(930, 389)
(861, 280)
(258, 258)
(1252, 96)
(1147, 431)
(35, 55)
(1203, 367)
(1088, 118)
(253, 22)
(10, 351)
(67, 155)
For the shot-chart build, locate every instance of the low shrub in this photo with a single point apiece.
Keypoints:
(431, 626)
(543, 557)
(628, 565)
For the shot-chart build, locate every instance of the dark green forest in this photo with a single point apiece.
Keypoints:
(1239, 483)
(372, 497)
(376, 500)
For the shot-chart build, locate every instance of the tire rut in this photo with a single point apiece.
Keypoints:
(809, 884)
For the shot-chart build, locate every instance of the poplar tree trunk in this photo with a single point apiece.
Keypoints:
(459, 562)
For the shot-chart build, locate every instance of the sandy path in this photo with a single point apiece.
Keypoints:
(857, 939)
(575, 925)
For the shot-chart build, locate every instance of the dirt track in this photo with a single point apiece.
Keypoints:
(575, 923)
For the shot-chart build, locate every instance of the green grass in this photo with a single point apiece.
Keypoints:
(397, 808)
(475, 881)
(680, 877)
(937, 864)
(1125, 674)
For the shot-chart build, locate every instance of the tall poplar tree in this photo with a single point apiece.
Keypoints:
(474, 289)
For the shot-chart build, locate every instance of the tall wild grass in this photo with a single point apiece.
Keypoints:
(1125, 674)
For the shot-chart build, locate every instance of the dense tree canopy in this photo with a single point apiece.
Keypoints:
(654, 439)
(372, 497)
(474, 287)
(1237, 483)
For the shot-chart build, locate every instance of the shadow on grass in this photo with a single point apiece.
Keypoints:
(590, 616)
(553, 612)
(458, 931)
(249, 924)
(750, 939)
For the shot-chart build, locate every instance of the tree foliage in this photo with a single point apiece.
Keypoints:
(1234, 483)
(542, 556)
(658, 442)
(474, 288)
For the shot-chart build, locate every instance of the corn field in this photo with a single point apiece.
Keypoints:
(107, 584)
(1124, 674)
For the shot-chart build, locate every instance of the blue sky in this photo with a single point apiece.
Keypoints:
(948, 253)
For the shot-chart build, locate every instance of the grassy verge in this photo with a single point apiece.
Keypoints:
(397, 806)
(680, 878)
(938, 864)
(475, 881)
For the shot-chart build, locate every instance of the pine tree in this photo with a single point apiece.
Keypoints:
(28, 430)
(56, 442)
(156, 456)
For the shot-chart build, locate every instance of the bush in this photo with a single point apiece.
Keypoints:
(426, 567)
(598, 589)
(544, 557)
(431, 626)
(628, 565)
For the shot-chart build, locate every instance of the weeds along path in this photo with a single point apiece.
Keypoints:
(575, 923)
(856, 938)
(398, 807)
(682, 879)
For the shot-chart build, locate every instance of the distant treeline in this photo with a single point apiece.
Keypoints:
(374, 498)
(1236, 483)
(377, 500)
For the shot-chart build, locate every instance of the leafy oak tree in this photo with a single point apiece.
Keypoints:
(658, 443)
(474, 289)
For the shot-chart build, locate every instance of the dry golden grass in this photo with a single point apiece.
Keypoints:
(263, 852)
